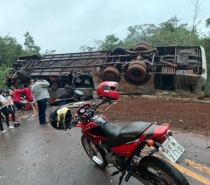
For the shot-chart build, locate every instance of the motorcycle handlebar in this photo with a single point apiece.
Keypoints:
(103, 102)
(74, 122)
(90, 113)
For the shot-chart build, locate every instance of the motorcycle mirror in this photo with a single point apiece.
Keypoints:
(93, 104)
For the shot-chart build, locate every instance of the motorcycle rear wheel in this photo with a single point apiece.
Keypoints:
(169, 174)
(95, 152)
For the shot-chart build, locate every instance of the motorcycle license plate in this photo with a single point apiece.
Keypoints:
(171, 149)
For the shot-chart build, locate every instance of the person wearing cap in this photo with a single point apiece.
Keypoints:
(41, 95)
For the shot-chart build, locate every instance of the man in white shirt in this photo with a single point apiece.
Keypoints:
(41, 95)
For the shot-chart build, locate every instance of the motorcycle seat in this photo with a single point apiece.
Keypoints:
(118, 135)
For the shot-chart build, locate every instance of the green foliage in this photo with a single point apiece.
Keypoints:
(138, 33)
(208, 22)
(30, 47)
(110, 42)
(205, 42)
(3, 72)
(9, 50)
(167, 33)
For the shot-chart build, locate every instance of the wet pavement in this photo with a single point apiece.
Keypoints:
(34, 154)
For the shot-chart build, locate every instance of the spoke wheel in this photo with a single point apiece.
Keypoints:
(95, 152)
(168, 174)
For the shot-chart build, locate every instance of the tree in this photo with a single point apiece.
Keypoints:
(30, 47)
(205, 42)
(3, 72)
(208, 22)
(167, 33)
(139, 33)
(111, 41)
(9, 50)
(173, 33)
(196, 22)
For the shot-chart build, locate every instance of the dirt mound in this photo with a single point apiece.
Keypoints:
(183, 113)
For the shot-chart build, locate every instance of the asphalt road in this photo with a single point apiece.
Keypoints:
(40, 155)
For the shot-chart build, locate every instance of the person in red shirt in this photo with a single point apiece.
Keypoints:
(17, 101)
(29, 98)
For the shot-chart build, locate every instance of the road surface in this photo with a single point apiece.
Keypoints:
(40, 155)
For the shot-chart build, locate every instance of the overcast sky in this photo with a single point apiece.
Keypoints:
(66, 25)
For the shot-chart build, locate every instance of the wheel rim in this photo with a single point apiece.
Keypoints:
(110, 76)
(136, 73)
(92, 151)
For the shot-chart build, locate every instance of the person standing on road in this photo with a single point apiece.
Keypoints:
(29, 98)
(10, 100)
(31, 87)
(1, 125)
(41, 95)
(17, 101)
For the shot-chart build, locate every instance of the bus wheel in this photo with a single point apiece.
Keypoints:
(137, 70)
(111, 74)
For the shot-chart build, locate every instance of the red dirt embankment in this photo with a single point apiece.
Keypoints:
(182, 113)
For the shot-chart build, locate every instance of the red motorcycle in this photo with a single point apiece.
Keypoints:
(129, 148)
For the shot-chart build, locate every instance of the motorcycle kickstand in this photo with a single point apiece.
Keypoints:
(121, 177)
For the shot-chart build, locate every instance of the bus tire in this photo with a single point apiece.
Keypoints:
(111, 74)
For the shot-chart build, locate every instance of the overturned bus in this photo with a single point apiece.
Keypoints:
(139, 70)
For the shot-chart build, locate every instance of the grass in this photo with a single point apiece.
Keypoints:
(207, 88)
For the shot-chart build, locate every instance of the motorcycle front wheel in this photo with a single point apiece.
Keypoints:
(95, 152)
(169, 175)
